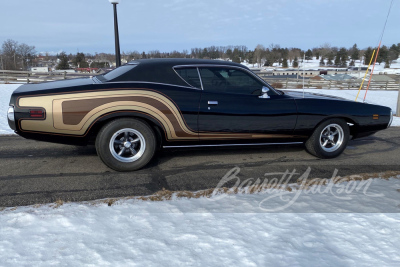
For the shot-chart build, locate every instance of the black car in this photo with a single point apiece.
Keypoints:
(152, 103)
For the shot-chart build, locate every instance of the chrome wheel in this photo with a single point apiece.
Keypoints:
(331, 137)
(127, 145)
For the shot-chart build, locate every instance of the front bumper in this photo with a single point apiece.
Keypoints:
(391, 118)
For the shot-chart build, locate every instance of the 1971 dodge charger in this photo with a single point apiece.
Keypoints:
(152, 103)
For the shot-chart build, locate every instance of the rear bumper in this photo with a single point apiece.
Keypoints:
(11, 118)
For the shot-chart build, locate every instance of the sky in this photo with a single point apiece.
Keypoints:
(166, 25)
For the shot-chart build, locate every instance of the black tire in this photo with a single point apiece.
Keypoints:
(320, 144)
(111, 140)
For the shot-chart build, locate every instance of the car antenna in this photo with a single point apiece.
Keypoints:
(379, 46)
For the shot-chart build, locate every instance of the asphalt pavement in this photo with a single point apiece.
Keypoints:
(33, 172)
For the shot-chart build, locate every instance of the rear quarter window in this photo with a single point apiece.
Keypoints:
(189, 75)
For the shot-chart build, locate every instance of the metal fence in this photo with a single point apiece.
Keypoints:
(290, 83)
(7, 76)
(10, 76)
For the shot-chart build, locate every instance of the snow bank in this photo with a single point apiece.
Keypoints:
(230, 231)
(5, 94)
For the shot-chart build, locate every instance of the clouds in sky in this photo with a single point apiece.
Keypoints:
(182, 24)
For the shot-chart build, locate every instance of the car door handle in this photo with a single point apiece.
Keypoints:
(213, 102)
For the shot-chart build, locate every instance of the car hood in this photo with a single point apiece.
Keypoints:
(299, 94)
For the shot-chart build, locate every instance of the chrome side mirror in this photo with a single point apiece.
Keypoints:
(264, 92)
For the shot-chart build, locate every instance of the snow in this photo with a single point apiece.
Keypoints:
(217, 231)
(314, 64)
(5, 94)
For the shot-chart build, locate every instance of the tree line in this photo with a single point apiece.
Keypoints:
(15, 56)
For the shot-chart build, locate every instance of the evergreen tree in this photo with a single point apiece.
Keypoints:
(355, 52)
(295, 63)
(63, 63)
(387, 63)
(250, 58)
(322, 61)
(337, 59)
(144, 55)
(352, 63)
(331, 56)
(235, 58)
(367, 55)
(285, 63)
(317, 54)
(394, 50)
(80, 61)
(343, 57)
(383, 54)
(309, 54)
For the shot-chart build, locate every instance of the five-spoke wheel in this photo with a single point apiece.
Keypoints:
(126, 144)
(329, 139)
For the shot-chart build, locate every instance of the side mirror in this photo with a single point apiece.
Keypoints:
(264, 92)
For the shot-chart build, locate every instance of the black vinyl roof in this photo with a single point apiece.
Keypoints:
(184, 61)
(161, 70)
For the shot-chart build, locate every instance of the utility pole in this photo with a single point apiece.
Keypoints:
(117, 49)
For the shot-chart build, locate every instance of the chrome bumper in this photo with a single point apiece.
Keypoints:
(11, 117)
(391, 118)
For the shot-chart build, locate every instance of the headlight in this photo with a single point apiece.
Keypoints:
(391, 118)
(10, 114)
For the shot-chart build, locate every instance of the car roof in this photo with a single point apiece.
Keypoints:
(162, 70)
(184, 61)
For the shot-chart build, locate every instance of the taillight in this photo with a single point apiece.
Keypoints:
(36, 113)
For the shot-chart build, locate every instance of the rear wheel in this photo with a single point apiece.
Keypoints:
(329, 139)
(126, 144)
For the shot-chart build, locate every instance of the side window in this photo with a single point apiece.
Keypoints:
(189, 75)
(226, 80)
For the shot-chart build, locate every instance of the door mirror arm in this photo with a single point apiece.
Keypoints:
(264, 92)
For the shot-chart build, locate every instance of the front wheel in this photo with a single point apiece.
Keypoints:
(329, 139)
(126, 144)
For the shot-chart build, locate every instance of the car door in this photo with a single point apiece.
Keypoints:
(230, 103)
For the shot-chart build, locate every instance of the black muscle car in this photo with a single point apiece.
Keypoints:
(147, 104)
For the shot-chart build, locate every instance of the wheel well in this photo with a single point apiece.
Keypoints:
(94, 130)
(353, 126)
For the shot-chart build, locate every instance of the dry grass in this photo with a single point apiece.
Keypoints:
(58, 203)
(110, 201)
(277, 85)
(168, 195)
(299, 86)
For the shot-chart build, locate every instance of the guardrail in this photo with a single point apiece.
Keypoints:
(290, 83)
(10, 76)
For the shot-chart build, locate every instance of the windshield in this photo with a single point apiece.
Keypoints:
(118, 72)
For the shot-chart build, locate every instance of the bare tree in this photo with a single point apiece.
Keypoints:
(26, 53)
(259, 54)
(9, 48)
